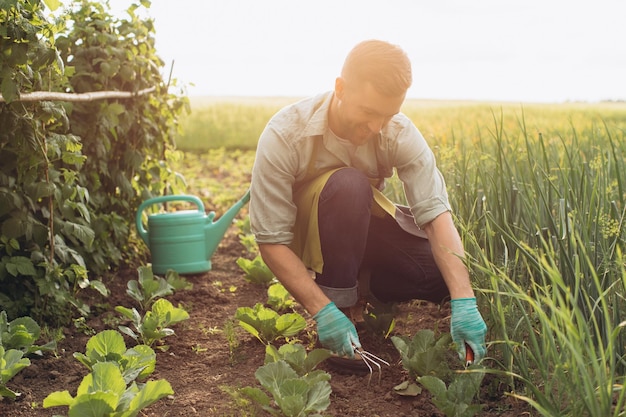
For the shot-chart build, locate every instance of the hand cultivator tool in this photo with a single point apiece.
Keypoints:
(371, 360)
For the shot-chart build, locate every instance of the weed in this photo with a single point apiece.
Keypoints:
(81, 325)
(230, 333)
(197, 348)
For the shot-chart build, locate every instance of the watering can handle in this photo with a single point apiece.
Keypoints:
(143, 233)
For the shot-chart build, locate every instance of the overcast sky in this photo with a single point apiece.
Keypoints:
(513, 50)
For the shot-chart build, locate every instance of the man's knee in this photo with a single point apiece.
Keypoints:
(348, 183)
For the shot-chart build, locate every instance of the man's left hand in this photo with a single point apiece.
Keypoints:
(468, 326)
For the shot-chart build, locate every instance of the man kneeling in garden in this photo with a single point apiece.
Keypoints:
(316, 204)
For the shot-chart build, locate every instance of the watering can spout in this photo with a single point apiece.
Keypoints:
(215, 230)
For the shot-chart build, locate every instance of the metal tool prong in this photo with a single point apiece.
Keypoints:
(371, 356)
(369, 380)
(369, 359)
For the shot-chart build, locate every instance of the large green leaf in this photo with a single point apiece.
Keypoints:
(424, 354)
(9, 89)
(40, 190)
(252, 330)
(314, 358)
(12, 361)
(139, 363)
(318, 397)
(107, 377)
(106, 345)
(292, 398)
(20, 333)
(168, 314)
(433, 384)
(81, 232)
(257, 395)
(150, 393)
(58, 398)
(96, 404)
(129, 313)
(13, 227)
(465, 387)
(272, 375)
(290, 324)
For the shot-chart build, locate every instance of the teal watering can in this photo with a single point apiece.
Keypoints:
(184, 240)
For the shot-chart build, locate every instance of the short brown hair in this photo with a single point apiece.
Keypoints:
(386, 66)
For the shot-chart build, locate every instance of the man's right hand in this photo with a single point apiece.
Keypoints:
(336, 331)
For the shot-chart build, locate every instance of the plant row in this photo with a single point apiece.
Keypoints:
(117, 383)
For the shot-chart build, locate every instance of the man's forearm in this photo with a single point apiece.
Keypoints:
(449, 254)
(294, 276)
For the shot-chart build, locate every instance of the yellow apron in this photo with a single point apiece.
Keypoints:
(306, 241)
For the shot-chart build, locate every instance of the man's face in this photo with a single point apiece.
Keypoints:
(361, 111)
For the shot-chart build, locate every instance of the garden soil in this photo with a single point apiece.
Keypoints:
(202, 364)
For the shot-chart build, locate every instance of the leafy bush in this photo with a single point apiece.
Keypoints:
(71, 174)
(41, 202)
(127, 143)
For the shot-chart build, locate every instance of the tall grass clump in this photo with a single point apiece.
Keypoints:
(542, 218)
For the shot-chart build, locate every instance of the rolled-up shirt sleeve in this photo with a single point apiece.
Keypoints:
(424, 185)
(272, 210)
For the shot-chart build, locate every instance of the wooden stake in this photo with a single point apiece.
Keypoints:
(91, 96)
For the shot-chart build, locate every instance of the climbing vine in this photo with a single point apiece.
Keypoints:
(73, 172)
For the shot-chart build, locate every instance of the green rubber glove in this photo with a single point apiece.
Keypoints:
(335, 331)
(468, 326)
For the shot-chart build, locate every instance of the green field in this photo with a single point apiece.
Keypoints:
(539, 195)
(236, 123)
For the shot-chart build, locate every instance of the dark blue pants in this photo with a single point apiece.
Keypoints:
(401, 265)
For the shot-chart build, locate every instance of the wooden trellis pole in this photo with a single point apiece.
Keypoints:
(91, 96)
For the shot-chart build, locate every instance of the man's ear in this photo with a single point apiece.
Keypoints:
(340, 87)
